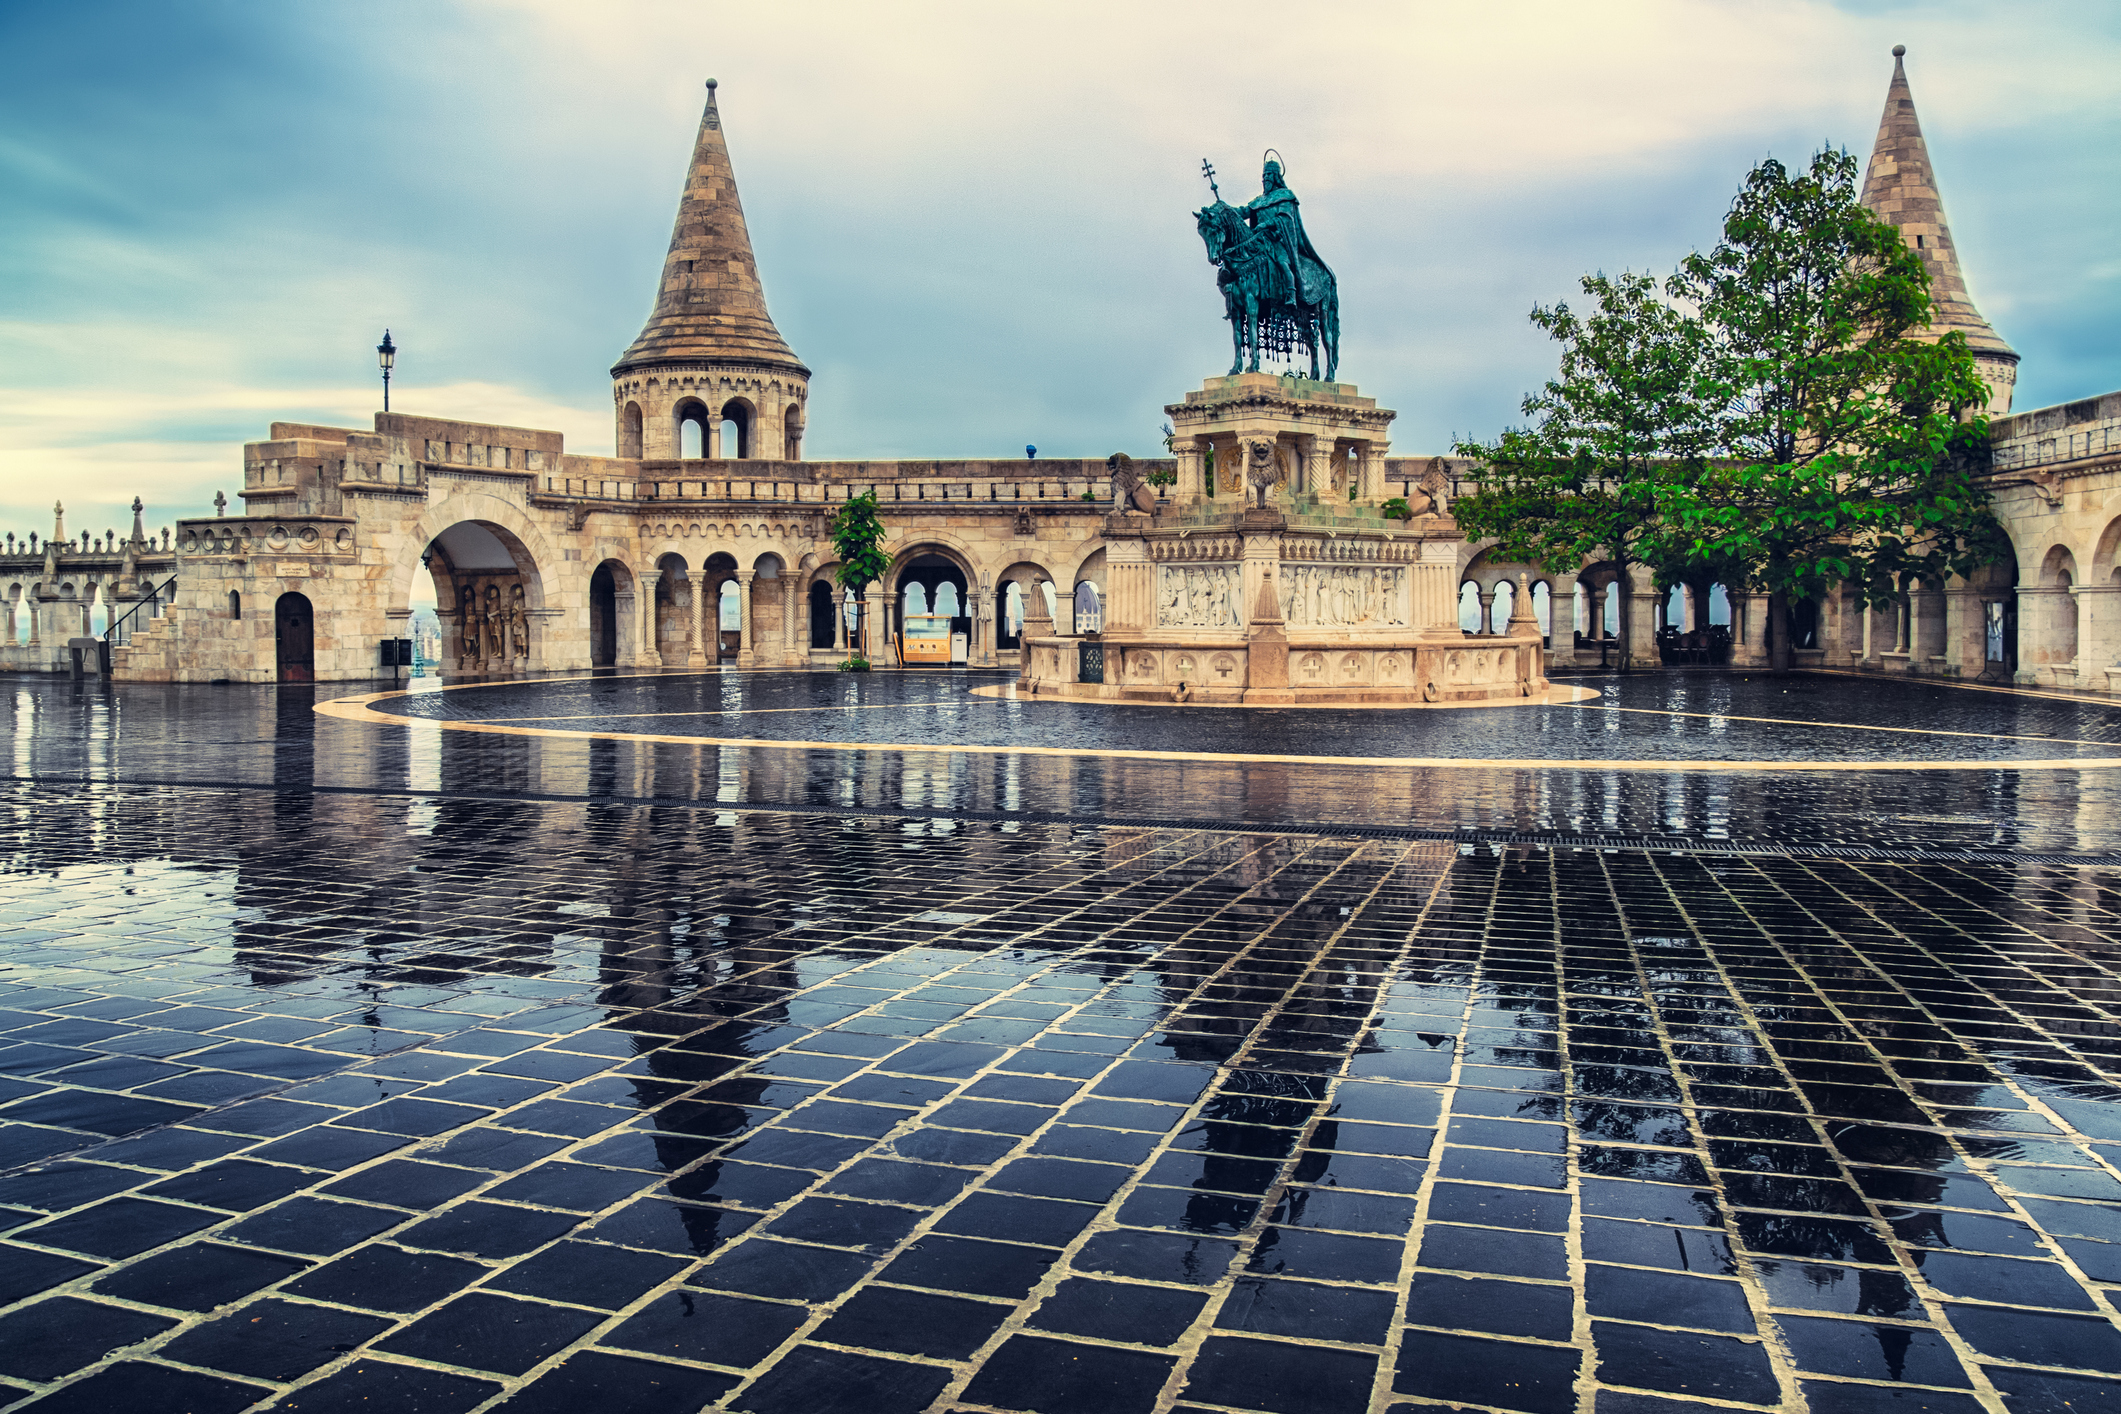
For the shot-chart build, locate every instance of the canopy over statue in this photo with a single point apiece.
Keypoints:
(1278, 294)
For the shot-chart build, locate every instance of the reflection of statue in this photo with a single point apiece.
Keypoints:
(1262, 468)
(1134, 493)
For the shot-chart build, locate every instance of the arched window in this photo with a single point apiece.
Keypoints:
(691, 417)
(946, 600)
(820, 614)
(1012, 616)
(1469, 607)
(731, 607)
(1543, 608)
(736, 430)
(915, 600)
(1719, 605)
(1089, 609)
(1504, 604)
(235, 604)
(630, 431)
(792, 435)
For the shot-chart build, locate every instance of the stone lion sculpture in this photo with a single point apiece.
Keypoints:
(1429, 496)
(1262, 468)
(1133, 491)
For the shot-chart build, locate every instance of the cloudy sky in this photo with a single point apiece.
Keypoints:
(973, 219)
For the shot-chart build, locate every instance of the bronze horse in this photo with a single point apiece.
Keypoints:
(1263, 294)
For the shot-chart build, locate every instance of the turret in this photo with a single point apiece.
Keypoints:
(1901, 188)
(710, 359)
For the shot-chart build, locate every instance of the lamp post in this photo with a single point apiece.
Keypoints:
(386, 354)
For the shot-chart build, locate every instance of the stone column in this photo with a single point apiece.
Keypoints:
(2098, 633)
(1315, 463)
(744, 656)
(1373, 473)
(1561, 615)
(699, 657)
(538, 628)
(2036, 635)
(1188, 451)
(1753, 650)
(711, 438)
(1487, 608)
(625, 633)
(651, 651)
(788, 607)
(1864, 651)
(874, 627)
(839, 620)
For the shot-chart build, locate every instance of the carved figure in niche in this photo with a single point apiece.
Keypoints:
(518, 623)
(467, 626)
(1430, 498)
(1127, 484)
(1263, 468)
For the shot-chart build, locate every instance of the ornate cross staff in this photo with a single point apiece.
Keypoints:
(1209, 172)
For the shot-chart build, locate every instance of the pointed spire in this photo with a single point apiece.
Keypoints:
(710, 304)
(1900, 187)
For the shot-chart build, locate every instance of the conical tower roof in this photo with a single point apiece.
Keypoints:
(710, 306)
(1901, 188)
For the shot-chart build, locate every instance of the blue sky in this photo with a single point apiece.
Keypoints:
(973, 220)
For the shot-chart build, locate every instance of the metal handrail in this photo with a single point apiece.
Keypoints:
(153, 596)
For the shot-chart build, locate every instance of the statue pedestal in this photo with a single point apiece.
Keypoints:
(1313, 598)
(1322, 439)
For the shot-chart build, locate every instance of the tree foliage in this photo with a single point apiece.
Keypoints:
(1847, 443)
(1780, 416)
(1608, 436)
(857, 532)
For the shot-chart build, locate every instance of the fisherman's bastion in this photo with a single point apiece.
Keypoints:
(704, 540)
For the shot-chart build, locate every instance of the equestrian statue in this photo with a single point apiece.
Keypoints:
(1278, 295)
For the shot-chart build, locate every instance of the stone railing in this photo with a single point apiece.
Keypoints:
(2051, 436)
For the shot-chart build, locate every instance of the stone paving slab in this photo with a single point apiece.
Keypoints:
(497, 1072)
(312, 1101)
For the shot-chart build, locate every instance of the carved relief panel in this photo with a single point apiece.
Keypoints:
(1344, 596)
(1198, 596)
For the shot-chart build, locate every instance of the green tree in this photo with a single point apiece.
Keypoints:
(857, 532)
(1608, 435)
(1847, 442)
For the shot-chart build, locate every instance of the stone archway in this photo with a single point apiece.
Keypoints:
(487, 593)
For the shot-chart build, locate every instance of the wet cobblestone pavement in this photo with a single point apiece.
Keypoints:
(394, 1068)
(1706, 716)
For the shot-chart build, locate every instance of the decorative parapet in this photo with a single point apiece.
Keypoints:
(2085, 432)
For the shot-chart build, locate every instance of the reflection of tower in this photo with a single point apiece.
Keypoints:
(709, 355)
(1901, 188)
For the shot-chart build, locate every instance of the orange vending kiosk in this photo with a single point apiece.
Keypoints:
(925, 638)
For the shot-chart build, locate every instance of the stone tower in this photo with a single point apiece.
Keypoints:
(709, 355)
(1901, 187)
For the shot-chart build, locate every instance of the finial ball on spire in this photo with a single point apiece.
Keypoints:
(1898, 50)
(710, 83)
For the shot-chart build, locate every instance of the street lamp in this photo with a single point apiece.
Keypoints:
(386, 354)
